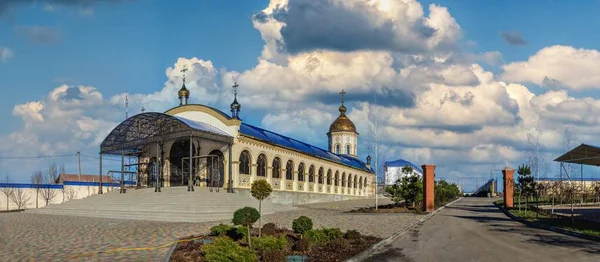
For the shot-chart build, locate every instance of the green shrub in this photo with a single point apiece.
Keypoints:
(273, 256)
(316, 236)
(302, 245)
(302, 224)
(224, 249)
(220, 230)
(333, 233)
(269, 243)
(352, 234)
(237, 233)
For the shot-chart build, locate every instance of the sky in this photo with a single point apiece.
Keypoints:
(468, 86)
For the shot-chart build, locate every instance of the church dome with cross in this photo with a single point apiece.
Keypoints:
(343, 138)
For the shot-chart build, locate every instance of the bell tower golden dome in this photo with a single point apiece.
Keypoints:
(342, 135)
(184, 93)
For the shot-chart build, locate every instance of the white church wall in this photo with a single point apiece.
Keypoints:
(392, 174)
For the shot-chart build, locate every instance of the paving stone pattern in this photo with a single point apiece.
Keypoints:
(41, 237)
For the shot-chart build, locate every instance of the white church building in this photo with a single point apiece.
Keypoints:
(393, 170)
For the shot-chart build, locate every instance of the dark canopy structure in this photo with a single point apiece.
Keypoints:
(583, 154)
(133, 134)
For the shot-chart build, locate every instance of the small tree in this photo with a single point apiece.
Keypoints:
(71, 193)
(413, 191)
(395, 192)
(48, 194)
(246, 216)
(526, 183)
(7, 191)
(20, 198)
(261, 189)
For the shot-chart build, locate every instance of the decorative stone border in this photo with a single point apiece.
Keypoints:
(546, 227)
(368, 252)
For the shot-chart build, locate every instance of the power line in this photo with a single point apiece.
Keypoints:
(36, 157)
(103, 158)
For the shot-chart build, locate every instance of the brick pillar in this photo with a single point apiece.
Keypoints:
(428, 190)
(509, 184)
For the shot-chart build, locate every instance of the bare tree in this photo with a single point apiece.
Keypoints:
(20, 198)
(534, 137)
(568, 143)
(373, 121)
(37, 179)
(71, 194)
(7, 191)
(48, 194)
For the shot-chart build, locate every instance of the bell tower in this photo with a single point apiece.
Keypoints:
(342, 135)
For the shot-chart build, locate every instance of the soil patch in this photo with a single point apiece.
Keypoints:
(390, 208)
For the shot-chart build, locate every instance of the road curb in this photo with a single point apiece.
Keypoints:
(366, 253)
(545, 227)
(170, 253)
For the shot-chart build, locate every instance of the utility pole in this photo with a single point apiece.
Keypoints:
(79, 165)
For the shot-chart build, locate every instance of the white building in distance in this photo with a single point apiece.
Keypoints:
(393, 170)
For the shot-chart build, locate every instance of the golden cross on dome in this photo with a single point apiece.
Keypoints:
(343, 93)
(183, 70)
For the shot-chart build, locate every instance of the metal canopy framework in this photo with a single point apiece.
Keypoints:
(133, 134)
(583, 154)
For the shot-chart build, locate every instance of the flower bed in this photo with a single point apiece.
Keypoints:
(229, 243)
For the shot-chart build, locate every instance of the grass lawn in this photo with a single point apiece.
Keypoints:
(579, 226)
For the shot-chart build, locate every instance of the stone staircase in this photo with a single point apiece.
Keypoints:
(173, 204)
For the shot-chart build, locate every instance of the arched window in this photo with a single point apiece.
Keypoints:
(320, 179)
(349, 185)
(348, 149)
(289, 170)
(329, 177)
(245, 163)
(301, 172)
(337, 178)
(337, 149)
(343, 179)
(261, 165)
(276, 168)
(311, 174)
(360, 181)
(365, 182)
(355, 184)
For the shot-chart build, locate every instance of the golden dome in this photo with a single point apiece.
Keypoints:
(342, 123)
(184, 92)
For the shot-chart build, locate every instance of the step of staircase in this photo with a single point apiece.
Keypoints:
(174, 204)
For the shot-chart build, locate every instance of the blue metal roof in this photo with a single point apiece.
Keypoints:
(403, 163)
(283, 141)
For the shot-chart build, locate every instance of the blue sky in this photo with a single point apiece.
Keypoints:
(129, 45)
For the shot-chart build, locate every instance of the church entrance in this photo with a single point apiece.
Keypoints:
(180, 158)
(215, 169)
(152, 172)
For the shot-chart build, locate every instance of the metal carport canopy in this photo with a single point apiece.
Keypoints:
(583, 154)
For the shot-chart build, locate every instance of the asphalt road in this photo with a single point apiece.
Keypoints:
(473, 229)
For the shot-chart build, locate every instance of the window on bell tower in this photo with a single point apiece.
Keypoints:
(337, 149)
(348, 149)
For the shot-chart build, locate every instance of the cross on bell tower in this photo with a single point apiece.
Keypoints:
(184, 93)
(235, 106)
(343, 93)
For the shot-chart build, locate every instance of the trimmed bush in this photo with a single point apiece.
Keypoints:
(316, 236)
(224, 249)
(269, 243)
(333, 233)
(270, 229)
(220, 230)
(302, 245)
(273, 256)
(302, 224)
(238, 233)
(246, 216)
(352, 234)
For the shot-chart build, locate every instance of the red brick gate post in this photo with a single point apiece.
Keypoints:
(428, 190)
(509, 184)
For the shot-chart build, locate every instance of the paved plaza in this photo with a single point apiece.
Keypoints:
(40, 237)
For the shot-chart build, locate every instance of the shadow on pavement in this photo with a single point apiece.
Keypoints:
(483, 218)
(389, 254)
